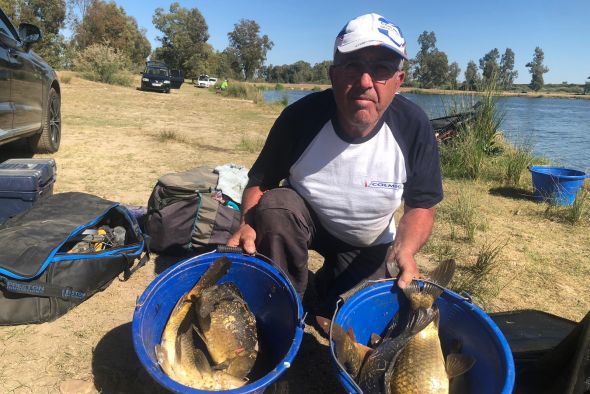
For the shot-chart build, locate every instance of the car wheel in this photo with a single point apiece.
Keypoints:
(48, 139)
(168, 90)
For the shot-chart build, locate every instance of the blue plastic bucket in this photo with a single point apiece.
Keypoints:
(371, 310)
(269, 294)
(556, 185)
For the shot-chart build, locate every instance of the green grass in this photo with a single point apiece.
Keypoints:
(517, 161)
(479, 280)
(169, 135)
(462, 211)
(251, 144)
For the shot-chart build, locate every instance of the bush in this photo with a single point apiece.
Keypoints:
(517, 161)
(101, 63)
(245, 91)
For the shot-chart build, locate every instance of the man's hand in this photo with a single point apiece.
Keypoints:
(413, 231)
(244, 237)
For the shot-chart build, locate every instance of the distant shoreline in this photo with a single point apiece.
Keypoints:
(309, 86)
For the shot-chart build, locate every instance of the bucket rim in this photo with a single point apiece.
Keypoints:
(507, 358)
(538, 170)
(256, 386)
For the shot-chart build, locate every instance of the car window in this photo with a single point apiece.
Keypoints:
(6, 28)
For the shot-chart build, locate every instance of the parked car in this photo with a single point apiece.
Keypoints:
(30, 95)
(205, 81)
(158, 76)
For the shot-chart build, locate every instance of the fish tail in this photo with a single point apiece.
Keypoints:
(424, 297)
(216, 271)
(443, 273)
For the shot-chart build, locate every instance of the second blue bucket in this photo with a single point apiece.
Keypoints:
(269, 294)
(371, 310)
(556, 185)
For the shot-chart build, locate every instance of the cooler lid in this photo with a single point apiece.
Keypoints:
(47, 167)
(21, 180)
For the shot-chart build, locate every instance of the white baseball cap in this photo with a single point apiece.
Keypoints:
(370, 30)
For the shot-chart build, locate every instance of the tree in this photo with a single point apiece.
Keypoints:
(50, 16)
(537, 69)
(489, 66)
(507, 72)
(249, 46)
(587, 86)
(431, 66)
(472, 78)
(106, 23)
(454, 72)
(184, 40)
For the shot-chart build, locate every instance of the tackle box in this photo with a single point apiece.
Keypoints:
(23, 182)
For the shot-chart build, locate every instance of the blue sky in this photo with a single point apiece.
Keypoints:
(465, 30)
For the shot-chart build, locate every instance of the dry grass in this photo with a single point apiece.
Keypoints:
(117, 141)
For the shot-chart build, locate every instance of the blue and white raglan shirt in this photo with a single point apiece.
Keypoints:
(354, 186)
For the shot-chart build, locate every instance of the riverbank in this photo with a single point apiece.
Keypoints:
(117, 141)
(305, 86)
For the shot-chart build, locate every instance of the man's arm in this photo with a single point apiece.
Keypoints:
(413, 230)
(246, 235)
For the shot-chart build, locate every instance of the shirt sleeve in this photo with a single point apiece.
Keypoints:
(291, 133)
(423, 188)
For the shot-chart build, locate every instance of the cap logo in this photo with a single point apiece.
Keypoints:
(386, 27)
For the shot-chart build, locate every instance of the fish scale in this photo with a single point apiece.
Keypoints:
(420, 367)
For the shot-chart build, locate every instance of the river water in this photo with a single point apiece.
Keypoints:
(557, 129)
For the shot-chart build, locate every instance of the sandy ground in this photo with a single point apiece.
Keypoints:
(115, 146)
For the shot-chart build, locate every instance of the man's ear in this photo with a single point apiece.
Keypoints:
(402, 76)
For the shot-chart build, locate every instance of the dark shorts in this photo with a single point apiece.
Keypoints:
(287, 228)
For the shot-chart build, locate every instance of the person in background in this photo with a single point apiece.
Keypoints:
(224, 84)
(338, 164)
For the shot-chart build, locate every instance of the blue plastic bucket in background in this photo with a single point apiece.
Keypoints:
(371, 310)
(556, 185)
(269, 294)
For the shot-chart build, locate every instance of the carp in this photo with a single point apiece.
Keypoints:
(413, 362)
(199, 311)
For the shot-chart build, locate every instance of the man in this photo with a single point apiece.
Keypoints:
(348, 156)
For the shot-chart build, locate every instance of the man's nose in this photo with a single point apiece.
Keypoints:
(366, 81)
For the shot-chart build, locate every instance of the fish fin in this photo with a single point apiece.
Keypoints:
(350, 333)
(420, 319)
(443, 273)
(201, 361)
(392, 326)
(362, 350)
(457, 364)
(375, 340)
(324, 324)
(216, 271)
(412, 288)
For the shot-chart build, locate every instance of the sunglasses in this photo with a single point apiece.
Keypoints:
(380, 71)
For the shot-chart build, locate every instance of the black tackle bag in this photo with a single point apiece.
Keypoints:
(185, 212)
(62, 251)
(551, 354)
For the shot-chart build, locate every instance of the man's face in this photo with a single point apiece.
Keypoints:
(364, 84)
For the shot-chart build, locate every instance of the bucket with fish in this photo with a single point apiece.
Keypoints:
(422, 339)
(218, 322)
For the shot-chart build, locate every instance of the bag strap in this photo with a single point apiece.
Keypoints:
(42, 290)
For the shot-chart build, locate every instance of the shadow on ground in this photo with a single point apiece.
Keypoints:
(513, 193)
(117, 369)
(18, 149)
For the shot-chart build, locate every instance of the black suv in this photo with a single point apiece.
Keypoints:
(157, 76)
(30, 104)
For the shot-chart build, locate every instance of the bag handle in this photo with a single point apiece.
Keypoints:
(42, 290)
